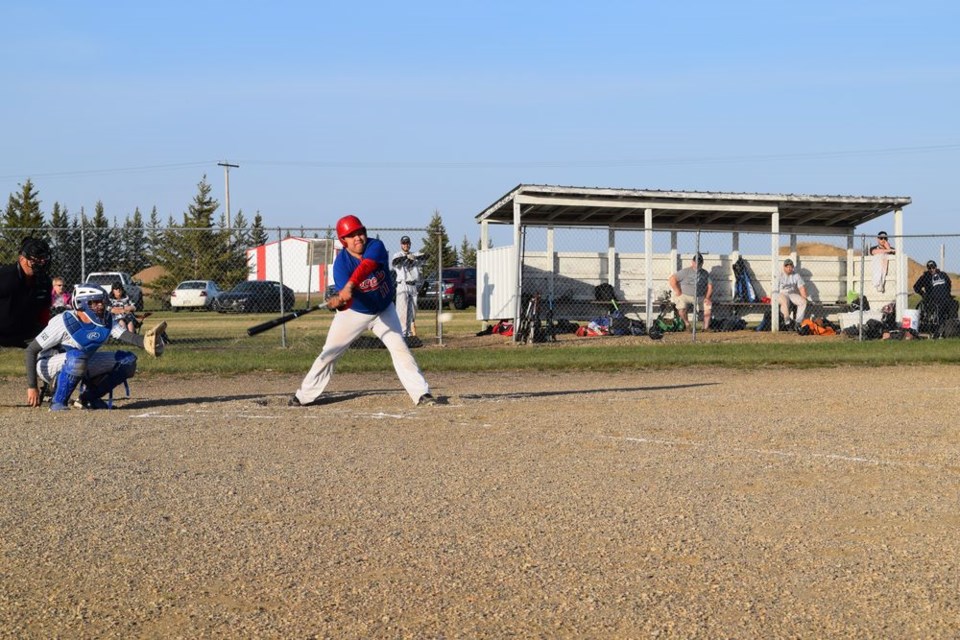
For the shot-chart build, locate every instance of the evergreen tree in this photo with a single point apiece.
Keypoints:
(134, 257)
(197, 249)
(154, 235)
(21, 218)
(101, 243)
(435, 231)
(468, 253)
(241, 230)
(59, 218)
(65, 246)
(258, 234)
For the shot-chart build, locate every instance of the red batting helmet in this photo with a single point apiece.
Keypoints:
(347, 225)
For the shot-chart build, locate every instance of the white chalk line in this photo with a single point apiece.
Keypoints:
(777, 452)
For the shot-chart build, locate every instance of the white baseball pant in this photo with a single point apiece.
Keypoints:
(407, 310)
(98, 363)
(346, 327)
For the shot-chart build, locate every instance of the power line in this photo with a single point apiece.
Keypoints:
(90, 172)
(520, 164)
(600, 163)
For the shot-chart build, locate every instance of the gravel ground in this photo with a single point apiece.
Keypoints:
(679, 504)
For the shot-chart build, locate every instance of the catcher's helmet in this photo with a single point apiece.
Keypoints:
(83, 295)
(347, 225)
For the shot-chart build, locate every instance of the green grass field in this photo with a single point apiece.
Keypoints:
(205, 342)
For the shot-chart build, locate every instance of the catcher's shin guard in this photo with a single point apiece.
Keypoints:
(124, 367)
(72, 372)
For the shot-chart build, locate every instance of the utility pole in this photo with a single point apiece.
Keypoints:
(226, 178)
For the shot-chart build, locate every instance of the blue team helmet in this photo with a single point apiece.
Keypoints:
(83, 295)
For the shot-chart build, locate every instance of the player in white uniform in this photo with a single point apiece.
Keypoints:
(365, 301)
(66, 353)
(407, 266)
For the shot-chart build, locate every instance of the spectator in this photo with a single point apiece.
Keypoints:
(881, 253)
(934, 287)
(692, 285)
(59, 298)
(792, 289)
(122, 307)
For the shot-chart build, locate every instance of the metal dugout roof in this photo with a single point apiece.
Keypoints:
(550, 205)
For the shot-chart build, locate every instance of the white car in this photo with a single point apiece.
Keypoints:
(194, 294)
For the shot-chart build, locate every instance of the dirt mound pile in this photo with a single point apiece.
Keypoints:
(148, 275)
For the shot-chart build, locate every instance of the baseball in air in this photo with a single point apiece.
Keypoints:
(446, 317)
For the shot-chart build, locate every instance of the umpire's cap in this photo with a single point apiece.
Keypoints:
(35, 249)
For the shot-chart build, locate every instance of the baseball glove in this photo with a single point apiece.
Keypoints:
(152, 342)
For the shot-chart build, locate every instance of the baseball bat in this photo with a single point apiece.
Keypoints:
(276, 322)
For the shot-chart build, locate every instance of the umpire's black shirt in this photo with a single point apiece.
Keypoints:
(24, 305)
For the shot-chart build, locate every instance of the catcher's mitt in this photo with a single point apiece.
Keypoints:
(152, 341)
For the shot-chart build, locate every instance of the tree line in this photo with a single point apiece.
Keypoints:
(198, 247)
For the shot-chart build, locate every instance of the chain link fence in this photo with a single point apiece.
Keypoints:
(210, 285)
(597, 280)
(213, 284)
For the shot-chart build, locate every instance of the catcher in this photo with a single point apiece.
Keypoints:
(66, 354)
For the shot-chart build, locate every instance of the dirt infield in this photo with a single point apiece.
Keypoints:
(678, 504)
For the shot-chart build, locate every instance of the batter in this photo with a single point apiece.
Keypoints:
(361, 273)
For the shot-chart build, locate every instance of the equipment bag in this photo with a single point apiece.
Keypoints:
(675, 323)
(818, 327)
(949, 328)
(743, 289)
(604, 292)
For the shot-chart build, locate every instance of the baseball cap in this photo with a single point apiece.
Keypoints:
(405, 240)
(931, 264)
(788, 262)
(699, 259)
(35, 249)
(882, 234)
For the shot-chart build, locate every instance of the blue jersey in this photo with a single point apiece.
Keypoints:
(66, 331)
(375, 293)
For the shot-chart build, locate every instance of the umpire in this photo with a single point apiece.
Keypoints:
(25, 294)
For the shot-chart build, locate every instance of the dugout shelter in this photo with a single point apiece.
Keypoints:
(550, 207)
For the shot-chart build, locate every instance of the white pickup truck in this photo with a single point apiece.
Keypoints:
(105, 280)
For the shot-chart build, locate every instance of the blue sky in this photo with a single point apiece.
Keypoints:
(394, 110)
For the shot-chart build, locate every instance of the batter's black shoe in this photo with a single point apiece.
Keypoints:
(426, 400)
(294, 401)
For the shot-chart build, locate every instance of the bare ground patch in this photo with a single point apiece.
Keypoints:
(707, 503)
